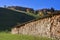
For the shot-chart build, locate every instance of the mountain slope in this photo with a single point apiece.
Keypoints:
(9, 18)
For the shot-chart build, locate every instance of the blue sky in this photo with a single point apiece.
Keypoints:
(35, 4)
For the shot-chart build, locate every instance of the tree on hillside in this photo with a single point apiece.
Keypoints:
(52, 9)
(4, 6)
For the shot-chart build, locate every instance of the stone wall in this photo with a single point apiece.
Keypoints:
(48, 27)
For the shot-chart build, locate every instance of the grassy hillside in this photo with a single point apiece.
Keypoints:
(9, 18)
(7, 36)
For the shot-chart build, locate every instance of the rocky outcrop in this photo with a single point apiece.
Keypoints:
(48, 27)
